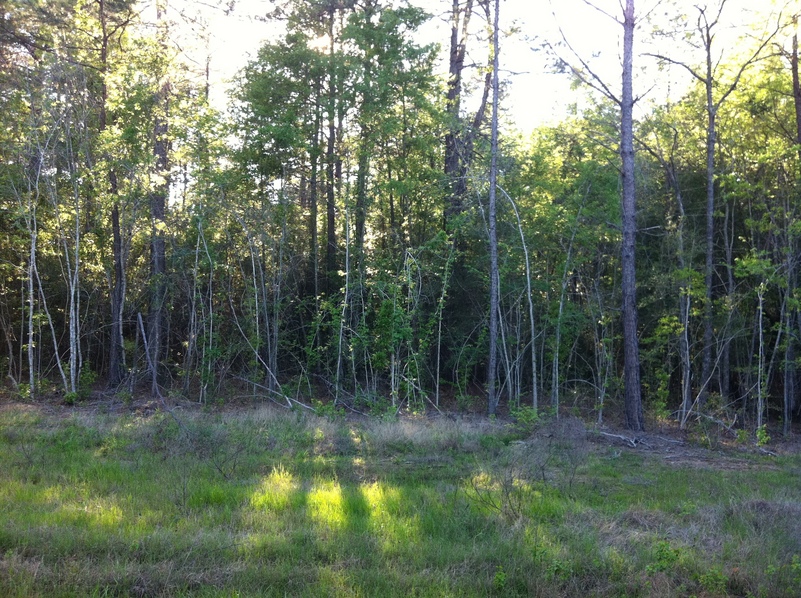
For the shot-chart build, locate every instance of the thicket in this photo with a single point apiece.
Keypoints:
(326, 239)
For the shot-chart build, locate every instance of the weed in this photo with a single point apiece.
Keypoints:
(664, 557)
(526, 418)
(713, 581)
(499, 580)
(763, 438)
(329, 410)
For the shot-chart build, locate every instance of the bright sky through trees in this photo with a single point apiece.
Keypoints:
(535, 94)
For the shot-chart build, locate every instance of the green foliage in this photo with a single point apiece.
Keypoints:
(762, 436)
(329, 410)
(499, 579)
(664, 557)
(525, 417)
(714, 581)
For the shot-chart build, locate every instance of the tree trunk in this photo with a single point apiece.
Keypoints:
(631, 349)
(796, 86)
(331, 160)
(460, 137)
(706, 359)
(117, 353)
(454, 171)
(116, 348)
(493, 236)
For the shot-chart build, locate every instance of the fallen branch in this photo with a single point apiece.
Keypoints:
(670, 440)
(632, 442)
(421, 391)
(290, 401)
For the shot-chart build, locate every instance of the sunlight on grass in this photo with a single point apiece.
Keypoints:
(65, 505)
(323, 508)
(276, 491)
(326, 504)
(394, 528)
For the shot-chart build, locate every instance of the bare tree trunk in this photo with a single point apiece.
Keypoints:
(493, 235)
(313, 198)
(530, 299)
(33, 232)
(344, 312)
(116, 348)
(711, 140)
(796, 85)
(117, 352)
(158, 261)
(460, 20)
(760, 384)
(631, 348)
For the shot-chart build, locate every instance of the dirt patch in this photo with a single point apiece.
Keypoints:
(674, 448)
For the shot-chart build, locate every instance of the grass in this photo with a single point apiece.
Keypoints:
(266, 503)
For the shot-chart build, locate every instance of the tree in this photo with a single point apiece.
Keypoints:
(631, 348)
(461, 134)
(716, 93)
(494, 303)
(625, 102)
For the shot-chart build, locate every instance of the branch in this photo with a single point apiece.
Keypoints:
(256, 354)
(593, 81)
(632, 442)
(754, 57)
(677, 63)
(603, 12)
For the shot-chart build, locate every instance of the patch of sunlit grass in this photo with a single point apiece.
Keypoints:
(275, 493)
(326, 504)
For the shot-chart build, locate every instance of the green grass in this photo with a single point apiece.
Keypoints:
(265, 503)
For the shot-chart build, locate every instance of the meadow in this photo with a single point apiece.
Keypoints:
(260, 501)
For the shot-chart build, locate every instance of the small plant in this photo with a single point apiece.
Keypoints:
(714, 581)
(86, 382)
(125, 396)
(559, 570)
(763, 438)
(742, 436)
(329, 410)
(24, 391)
(499, 581)
(526, 418)
(665, 557)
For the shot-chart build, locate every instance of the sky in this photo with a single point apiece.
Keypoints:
(535, 94)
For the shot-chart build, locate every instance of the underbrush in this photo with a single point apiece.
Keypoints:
(266, 502)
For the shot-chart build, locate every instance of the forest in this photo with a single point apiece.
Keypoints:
(362, 227)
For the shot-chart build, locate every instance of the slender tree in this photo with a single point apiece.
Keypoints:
(631, 347)
(625, 102)
(494, 303)
(716, 93)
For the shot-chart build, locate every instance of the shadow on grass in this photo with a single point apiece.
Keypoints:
(311, 508)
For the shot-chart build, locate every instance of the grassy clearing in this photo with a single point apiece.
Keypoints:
(268, 503)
